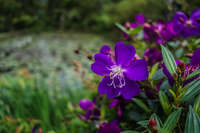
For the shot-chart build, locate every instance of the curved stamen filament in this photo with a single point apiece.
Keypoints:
(116, 75)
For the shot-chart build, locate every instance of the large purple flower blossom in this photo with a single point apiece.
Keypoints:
(187, 26)
(121, 72)
(188, 68)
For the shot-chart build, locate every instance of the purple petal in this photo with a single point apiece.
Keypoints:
(105, 88)
(113, 103)
(124, 54)
(137, 70)
(195, 61)
(179, 21)
(109, 128)
(140, 19)
(195, 17)
(86, 104)
(130, 90)
(105, 49)
(133, 25)
(101, 64)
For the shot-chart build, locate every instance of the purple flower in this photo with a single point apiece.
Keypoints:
(164, 32)
(86, 104)
(109, 128)
(140, 20)
(152, 56)
(187, 26)
(121, 72)
(92, 111)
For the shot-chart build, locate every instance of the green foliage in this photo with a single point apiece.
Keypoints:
(172, 121)
(191, 90)
(193, 74)
(164, 102)
(169, 60)
(96, 15)
(192, 124)
(142, 105)
(197, 105)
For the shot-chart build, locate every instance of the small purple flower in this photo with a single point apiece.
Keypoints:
(152, 56)
(121, 72)
(109, 128)
(187, 26)
(140, 20)
(86, 104)
(92, 111)
(164, 32)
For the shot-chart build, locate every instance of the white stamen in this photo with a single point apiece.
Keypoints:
(117, 72)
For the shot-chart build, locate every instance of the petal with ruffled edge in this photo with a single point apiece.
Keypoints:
(124, 54)
(130, 90)
(105, 88)
(137, 70)
(105, 49)
(195, 61)
(101, 64)
(140, 19)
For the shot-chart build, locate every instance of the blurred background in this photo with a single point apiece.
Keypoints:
(46, 49)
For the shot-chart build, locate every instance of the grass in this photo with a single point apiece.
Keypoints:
(42, 87)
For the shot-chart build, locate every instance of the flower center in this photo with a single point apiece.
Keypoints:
(117, 76)
(188, 23)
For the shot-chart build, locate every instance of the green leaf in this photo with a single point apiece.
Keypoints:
(191, 90)
(136, 31)
(141, 104)
(179, 52)
(143, 123)
(153, 71)
(195, 73)
(158, 75)
(130, 131)
(172, 121)
(197, 105)
(157, 119)
(169, 60)
(193, 122)
(164, 102)
(121, 27)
